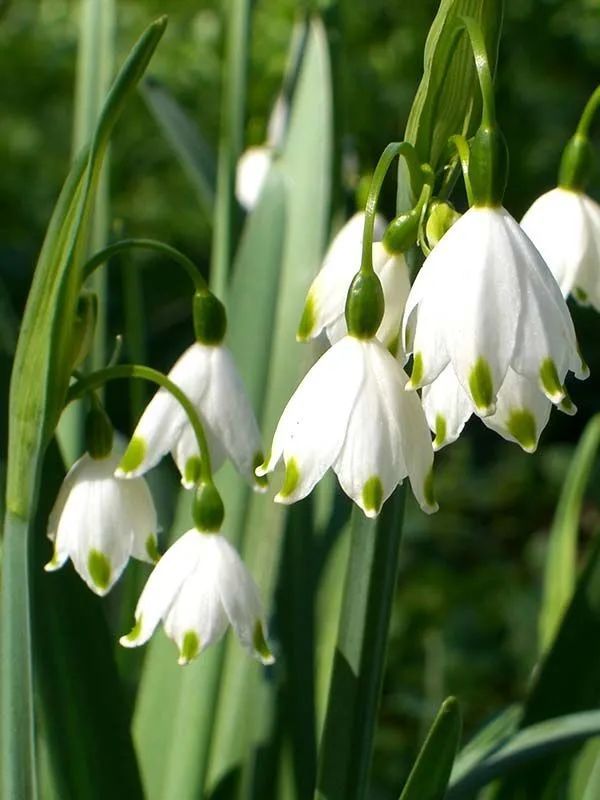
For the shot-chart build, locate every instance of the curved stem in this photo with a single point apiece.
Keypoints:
(462, 148)
(588, 113)
(389, 154)
(102, 376)
(148, 244)
(484, 74)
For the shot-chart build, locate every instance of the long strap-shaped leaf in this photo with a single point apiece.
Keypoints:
(525, 746)
(347, 741)
(560, 569)
(39, 379)
(429, 777)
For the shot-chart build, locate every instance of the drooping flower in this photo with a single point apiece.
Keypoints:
(485, 303)
(326, 299)
(99, 521)
(208, 376)
(351, 413)
(564, 225)
(198, 588)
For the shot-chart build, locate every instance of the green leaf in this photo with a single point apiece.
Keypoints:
(184, 136)
(430, 774)
(347, 740)
(41, 370)
(497, 731)
(561, 560)
(86, 719)
(527, 745)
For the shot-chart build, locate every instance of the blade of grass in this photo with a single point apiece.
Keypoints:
(346, 746)
(561, 559)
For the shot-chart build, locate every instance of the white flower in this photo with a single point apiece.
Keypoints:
(99, 521)
(564, 225)
(522, 410)
(197, 589)
(208, 376)
(351, 413)
(326, 299)
(483, 302)
(252, 170)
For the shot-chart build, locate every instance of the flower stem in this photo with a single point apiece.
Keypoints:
(583, 128)
(484, 74)
(148, 244)
(389, 154)
(102, 376)
(462, 148)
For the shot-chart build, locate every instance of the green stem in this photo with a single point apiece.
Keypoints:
(147, 244)
(389, 154)
(583, 128)
(102, 376)
(484, 74)
(462, 148)
(350, 721)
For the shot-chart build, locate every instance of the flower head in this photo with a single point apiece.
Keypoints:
(326, 300)
(99, 522)
(209, 377)
(198, 588)
(485, 302)
(564, 225)
(351, 413)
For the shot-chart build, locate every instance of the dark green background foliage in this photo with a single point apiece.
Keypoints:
(465, 616)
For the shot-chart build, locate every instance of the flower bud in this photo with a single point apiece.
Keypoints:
(488, 167)
(364, 305)
(402, 232)
(208, 511)
(210, 319)
(575, 163)
(440, 219)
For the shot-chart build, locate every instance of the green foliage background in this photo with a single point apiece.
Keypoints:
(465, 613)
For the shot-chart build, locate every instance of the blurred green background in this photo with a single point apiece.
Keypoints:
(465, 613)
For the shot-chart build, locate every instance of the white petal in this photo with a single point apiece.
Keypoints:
(586, 284)
(228, 416)
(163, 586)
(371, 464)
(522, 411)
(313, 425)
(241, 600)
(556, 224)
(164, 418)
(186, 448)
(252, 170)
(138, 508)
(63, 494)
(326, 300)
(482, 316)
(447, 408)
(393, 273)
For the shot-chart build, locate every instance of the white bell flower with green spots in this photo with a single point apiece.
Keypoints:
(351, 413)
(198, 588)
(564, 225)
(485, 303)
(208, 376)
(326, 299)
(99, 521)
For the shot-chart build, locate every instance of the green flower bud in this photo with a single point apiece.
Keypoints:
(488, 166)
(210, 319)
(208, 511)
(364, 305)
(98, 432)
(440, 219)
(575, 163)
(402, 232)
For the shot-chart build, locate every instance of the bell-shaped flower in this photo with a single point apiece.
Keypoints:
(208, 376)
(483, 302)
(99, 521)
(351, 413)
(198, 588)
(522, 410)
(564, 225)
(326, 299)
